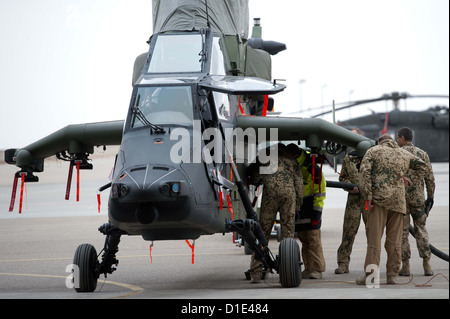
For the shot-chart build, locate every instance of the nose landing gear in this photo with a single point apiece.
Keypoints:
(86, 275)
(89, 268)
(287, 263)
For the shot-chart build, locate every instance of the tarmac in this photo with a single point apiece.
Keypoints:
(37, 247)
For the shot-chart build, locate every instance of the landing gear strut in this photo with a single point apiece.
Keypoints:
(86, 258)
(287, 263)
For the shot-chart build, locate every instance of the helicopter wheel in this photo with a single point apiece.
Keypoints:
(86, 259)
(290, 264)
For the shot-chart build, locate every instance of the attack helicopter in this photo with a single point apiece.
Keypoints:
(427, 125)
(198, 108)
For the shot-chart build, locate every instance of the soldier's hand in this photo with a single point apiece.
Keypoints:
(369, 204)
(407, 181)
(429, 203)
(355, 190)
(315, 217)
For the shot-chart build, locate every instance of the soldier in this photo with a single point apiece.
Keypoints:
(382, 187)
(354, 209)
(283, 193)
(309, 218)
(416, 205)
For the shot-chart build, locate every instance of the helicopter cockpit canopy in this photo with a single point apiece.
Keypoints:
(187, 52)
(159, 105)
(168, 58)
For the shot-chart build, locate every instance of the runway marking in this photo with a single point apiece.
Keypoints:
(31, 275)
(128, 256)
(134, 289)
(34, 259)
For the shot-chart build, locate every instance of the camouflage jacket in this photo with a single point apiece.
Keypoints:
(349, 172)
(287, 176)
(415, 194)
(381, 175)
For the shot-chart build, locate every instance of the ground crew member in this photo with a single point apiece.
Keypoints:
(416, 205)
(382, 186)
(354, 209)
(309, 218)
(283, 193)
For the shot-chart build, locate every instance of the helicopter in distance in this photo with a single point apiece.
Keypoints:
(197, 112)
(427, 125)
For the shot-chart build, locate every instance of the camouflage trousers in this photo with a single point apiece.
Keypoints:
(354, 209)
(420, 231)
(274, 201)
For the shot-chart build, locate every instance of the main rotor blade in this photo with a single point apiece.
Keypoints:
(395, 96)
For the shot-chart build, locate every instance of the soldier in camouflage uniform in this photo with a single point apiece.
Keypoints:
(382, 187)
(354, 209)
(283, 193)
(416, 205)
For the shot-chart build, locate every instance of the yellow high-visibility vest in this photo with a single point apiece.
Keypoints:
(319, 191)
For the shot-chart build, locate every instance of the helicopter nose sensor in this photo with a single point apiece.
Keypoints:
(146, 213)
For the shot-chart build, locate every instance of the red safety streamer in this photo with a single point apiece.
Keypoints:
(240, 106)
(21, 192)
(192, 247)
(99, 201)
(320, 176)
(230, 207)
(14, 192)
(78, 181)
(220, 199)
(69, 181)
(151, 258)
(386, 120)
(266, 102)
(313, 171)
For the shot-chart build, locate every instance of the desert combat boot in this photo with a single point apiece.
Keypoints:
(405, 268)
(427, 267)
(341, 269)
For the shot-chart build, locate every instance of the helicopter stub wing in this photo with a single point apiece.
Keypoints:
(239, 85)
(312, 130)
(73, 144)
(78, 138)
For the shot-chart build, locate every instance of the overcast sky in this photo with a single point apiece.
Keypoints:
(66, 62)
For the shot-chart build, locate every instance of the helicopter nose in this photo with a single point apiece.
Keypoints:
(150, 184)
(150, 193)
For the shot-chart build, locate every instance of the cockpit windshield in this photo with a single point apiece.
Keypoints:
(162, 105)
(174, 53)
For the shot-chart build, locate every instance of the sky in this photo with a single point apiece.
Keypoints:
(67, 62)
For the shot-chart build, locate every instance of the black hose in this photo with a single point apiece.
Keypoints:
(433, 249)
(347, 186)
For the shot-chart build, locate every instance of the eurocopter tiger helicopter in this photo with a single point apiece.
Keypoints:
(202, 74)
(430, 124)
